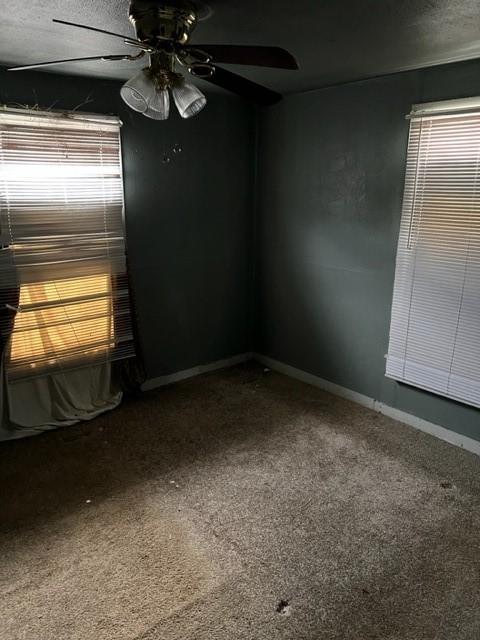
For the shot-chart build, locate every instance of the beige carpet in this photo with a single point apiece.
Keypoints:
(239, 505)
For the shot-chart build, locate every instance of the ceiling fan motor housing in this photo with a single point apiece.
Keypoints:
(155, 21)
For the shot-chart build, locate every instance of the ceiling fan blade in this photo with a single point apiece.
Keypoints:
(243, 87)
(48, 64)
(251, 55)
(109, 33)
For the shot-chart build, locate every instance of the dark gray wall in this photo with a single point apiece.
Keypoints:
(189, 222)
(331, 170)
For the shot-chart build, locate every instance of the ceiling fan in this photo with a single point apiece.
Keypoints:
(163, 34)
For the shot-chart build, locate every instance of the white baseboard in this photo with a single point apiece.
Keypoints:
(418, 423)
(154, 383)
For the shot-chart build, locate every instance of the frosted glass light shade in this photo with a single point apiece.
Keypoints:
(136, 91)
(158, 106)
(140, 94)
(189, 100)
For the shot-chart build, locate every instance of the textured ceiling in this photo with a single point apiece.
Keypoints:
(333, 40)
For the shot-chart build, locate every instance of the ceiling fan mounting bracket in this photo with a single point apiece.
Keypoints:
(156, 21)
(201, 70)
(161, 71)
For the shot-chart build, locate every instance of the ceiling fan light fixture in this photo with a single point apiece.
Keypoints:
(188, 99)
(146, 96)
(159, 106)
(137, 92)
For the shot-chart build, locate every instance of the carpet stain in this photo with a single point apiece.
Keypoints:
(283, 608)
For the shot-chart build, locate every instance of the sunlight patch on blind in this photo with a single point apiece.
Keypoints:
(56, 322)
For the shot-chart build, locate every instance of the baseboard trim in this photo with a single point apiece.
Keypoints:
(161, 381)
(464, 442)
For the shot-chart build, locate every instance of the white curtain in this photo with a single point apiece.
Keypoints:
(29, 407)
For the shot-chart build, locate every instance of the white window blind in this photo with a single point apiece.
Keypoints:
(435, 325)
(64, 299)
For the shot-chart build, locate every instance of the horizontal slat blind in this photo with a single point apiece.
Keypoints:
(435, 325)
(63, 265)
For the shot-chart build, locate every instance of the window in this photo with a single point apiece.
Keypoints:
(64, 296)
(435, 325)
